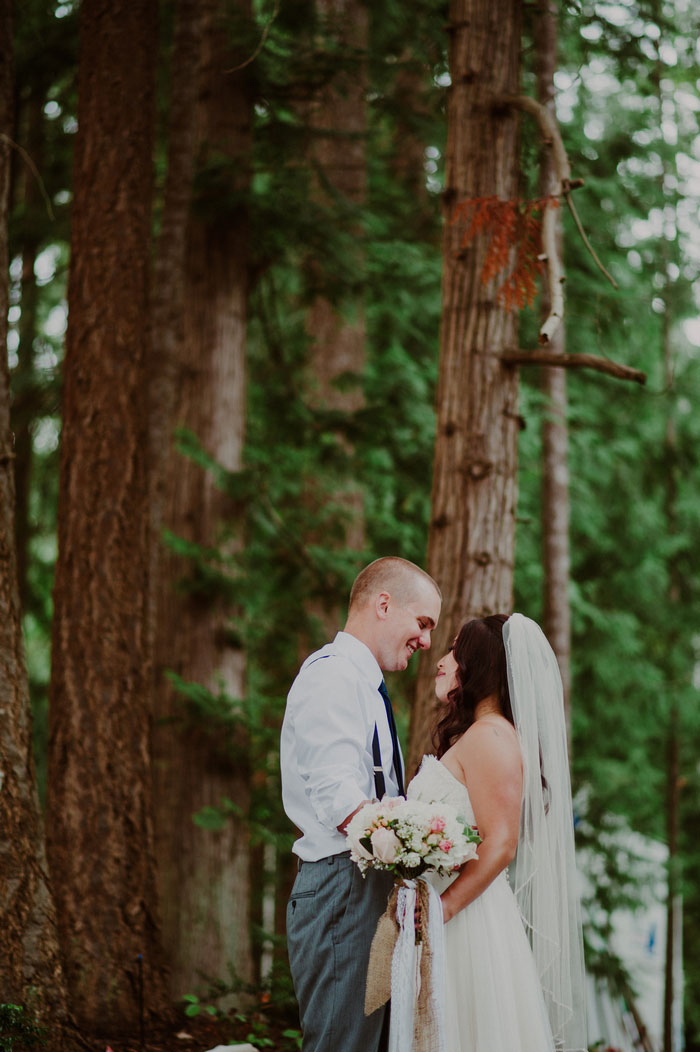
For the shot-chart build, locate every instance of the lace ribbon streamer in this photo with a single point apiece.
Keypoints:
(411, 974)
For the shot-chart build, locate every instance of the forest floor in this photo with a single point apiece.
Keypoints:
(264, 1030)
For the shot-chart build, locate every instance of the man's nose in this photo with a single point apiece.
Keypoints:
(424, 640)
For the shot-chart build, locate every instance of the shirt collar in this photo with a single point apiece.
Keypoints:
(361, 656)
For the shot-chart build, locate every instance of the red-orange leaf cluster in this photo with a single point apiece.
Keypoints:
(509, 225)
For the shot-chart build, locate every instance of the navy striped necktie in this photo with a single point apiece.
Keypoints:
(398, 770)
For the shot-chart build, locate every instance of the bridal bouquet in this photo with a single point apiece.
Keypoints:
(410, 837)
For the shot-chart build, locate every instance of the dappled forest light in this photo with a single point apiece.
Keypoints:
(289, 286)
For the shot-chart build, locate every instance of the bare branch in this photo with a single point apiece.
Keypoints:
(574, 361)
(33, 169)
(555, 272)
(548, 128)
(586, 242)
(555, 275)
(550, 133)
(261, 43)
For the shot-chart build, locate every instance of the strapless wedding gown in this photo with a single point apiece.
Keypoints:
(493, 999)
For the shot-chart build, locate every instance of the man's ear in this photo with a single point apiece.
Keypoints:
(382, 604)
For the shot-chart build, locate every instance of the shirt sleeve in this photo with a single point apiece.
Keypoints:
(331, 739)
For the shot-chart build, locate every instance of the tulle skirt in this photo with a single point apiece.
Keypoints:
(493, 1001)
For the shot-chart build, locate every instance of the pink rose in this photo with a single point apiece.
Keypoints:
(385, 845)
(437, 825)
(445, 845)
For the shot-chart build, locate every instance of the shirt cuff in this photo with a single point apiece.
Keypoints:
(347, 800)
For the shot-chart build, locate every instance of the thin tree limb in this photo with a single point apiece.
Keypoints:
(33, 169)
(548, 128)
(555, 274)
(589, 246)
(555, 271)
(550, 133)
(574, 361)
(261, 43)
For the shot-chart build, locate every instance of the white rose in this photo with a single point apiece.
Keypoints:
(386, 845)
(357, 849)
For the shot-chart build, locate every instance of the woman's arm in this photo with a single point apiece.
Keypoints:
(489, 763)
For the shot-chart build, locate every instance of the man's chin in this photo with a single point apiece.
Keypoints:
(397, 666)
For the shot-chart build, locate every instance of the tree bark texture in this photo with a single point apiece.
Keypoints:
(25, 396)
(474, 494)
(338, 153)
(99, 799)
(30, 969)
(555, 467)
(204, 874)
(169, 288)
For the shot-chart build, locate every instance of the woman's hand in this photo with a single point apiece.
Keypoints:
(447, 911)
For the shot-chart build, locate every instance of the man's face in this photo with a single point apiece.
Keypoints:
(406, 627)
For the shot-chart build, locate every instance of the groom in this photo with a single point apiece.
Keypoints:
(339, 749)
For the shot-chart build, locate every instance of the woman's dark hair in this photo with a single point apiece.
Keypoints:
(481, 671)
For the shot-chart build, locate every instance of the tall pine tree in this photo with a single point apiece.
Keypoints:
(99, 800)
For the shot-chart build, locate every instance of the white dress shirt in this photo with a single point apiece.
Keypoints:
(326, 748)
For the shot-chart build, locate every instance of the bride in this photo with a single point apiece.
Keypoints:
(513, 951)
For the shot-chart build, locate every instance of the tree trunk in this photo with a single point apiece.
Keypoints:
(169, 288)
(30, 970)
(676, 670)
(474, 496)
(338, 119)
(24, 392)
(99, 800)
(199, 761)
(338, 152)
(555, 467)
(673, 676)
(673, 801)
(408, 160)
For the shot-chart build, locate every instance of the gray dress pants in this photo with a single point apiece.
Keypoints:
(332, 915)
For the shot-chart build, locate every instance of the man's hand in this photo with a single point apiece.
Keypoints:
(343, 824)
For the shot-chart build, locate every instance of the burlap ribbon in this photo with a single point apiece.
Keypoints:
(427, 1029)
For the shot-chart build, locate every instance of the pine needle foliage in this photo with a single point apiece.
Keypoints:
(510, 228)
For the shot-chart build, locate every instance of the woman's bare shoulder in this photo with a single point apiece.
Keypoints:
(490, 736)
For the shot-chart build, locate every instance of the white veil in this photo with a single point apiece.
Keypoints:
(544, 871)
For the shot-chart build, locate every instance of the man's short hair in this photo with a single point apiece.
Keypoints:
(389, 574)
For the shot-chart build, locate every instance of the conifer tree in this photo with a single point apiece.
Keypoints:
(30, 969)
(337, 130)
(473, 505)
(99, 800)
(201, 761)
